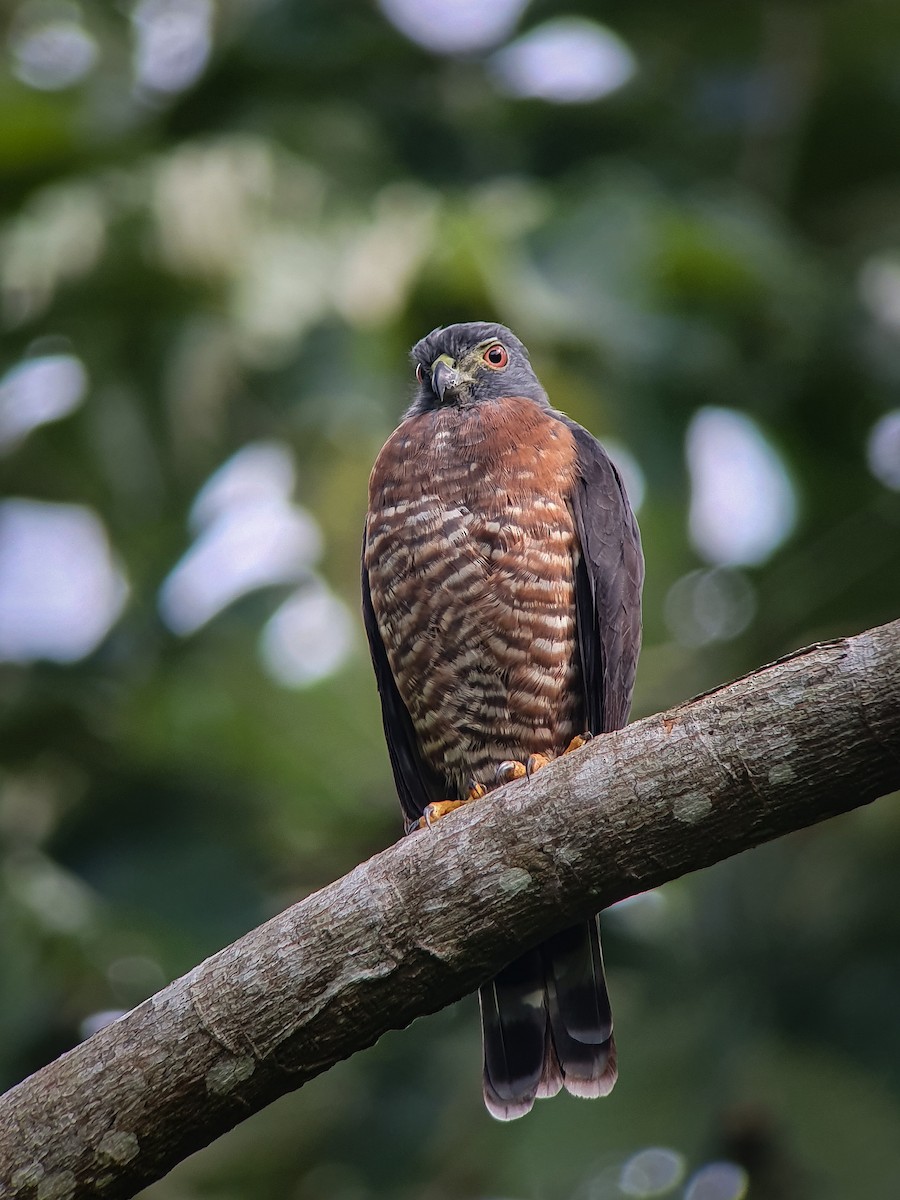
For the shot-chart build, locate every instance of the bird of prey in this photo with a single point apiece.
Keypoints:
(501, 579)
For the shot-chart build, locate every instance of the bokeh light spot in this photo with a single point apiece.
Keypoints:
(60, 588)
(173, 43)
(59, 900)
(37, 391)
(709, 606)
(652, 1172)
(717, 1181)
(879, 287)
(99, 1020)
(307, 638)
(454, 26)
(743, 504)
(251, 535)
(258, 473)
(883, 450)
(137, 975)
(568, 61)
(58, 235)
(53, 55)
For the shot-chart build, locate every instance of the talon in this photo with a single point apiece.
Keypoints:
(577, 742)
(536, 762)
(440, 808)
(509, 770)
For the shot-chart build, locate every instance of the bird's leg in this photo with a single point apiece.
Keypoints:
(512, 768)
(508, 770)
(440, 808)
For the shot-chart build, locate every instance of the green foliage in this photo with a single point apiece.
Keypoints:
(246, 258)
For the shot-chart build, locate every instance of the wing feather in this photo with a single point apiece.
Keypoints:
(608, 580)
(417, 785)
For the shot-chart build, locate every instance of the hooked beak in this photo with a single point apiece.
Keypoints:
(446, 380)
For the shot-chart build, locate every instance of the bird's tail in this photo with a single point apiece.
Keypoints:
(547, 1024)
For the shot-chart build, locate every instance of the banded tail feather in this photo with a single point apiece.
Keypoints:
(547, 1024)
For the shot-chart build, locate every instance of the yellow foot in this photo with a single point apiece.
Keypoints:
(536, 762)
(509, 770)
(440, 808)
(577, 742)
(512, 769)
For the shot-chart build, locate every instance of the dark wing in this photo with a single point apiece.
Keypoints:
(417, 785)
(608, 581)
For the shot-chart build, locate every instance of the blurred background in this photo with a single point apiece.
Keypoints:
(223, 223)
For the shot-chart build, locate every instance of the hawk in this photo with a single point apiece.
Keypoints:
(501, 580)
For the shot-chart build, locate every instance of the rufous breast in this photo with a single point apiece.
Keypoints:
(471, 550)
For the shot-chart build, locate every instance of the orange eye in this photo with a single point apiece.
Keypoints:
(420, 373)
(495, 356)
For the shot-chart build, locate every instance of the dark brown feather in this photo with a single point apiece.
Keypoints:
(417, 785)
(609, 578)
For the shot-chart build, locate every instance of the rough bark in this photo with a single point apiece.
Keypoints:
(433, 916)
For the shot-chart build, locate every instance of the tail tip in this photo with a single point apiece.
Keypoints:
(600, 1082)
(506, 1109)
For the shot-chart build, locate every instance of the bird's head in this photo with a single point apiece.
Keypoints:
(465, 365)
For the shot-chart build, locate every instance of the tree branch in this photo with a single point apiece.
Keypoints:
(427, 920)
